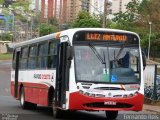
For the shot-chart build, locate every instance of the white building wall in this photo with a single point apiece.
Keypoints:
(97, 6)
(117, 6)
(35, 5)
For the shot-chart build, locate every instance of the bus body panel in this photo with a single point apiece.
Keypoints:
(36, 84)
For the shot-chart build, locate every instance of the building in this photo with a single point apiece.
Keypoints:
(66, 11)
(53, 8)
(35, 5)
(47, 7)
(85, 5)
(118, 6)
(63, 12)
(97, 7)
(74, 7)
(113, 6)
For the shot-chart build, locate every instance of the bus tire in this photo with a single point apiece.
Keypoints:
(111, 115)
(24, 104)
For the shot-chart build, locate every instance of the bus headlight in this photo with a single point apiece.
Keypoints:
(131, 95)
(86, 93)
(92, 95)
(81, 91)
(136, 93)
(125, 96)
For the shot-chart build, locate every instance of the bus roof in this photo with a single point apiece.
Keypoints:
(69, 33)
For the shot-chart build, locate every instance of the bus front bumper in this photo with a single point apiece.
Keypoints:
(78, 101)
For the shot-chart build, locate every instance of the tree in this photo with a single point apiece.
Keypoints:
(46, 29)
(126, 20)
(85, 20)
(53, 21)
(137, 18)
(149, 12)
(24, 4)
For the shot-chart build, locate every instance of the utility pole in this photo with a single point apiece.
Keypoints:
(149, 42)
(31, 26)
(104, 14)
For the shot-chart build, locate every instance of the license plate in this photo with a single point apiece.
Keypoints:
(110, 103)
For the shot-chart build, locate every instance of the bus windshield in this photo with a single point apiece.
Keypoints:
(108, 64)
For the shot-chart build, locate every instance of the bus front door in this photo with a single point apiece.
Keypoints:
(62, 74)
(17, 55)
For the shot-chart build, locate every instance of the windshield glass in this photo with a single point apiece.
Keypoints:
(116, 64)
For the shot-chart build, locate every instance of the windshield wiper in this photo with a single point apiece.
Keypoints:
(120, 51)
(97, 54)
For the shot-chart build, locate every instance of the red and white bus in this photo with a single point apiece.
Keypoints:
(92, 69)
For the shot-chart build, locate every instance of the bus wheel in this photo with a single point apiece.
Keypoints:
(23, 103)
(111, 115)
(56, 111)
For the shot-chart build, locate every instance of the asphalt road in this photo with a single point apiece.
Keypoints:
(5, 67)
(10, 108)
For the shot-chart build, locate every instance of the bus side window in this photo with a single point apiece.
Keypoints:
(32, 57)
(24, 56)
(42, 55)
(52, 55)
(14, 60)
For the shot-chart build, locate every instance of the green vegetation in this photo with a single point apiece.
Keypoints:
(7, 56)
(84, 20)
(46, 29)
(6, 37)
(137, 18)
(1, 1)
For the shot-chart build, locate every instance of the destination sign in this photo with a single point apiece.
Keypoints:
(110, 37)
(106, 37)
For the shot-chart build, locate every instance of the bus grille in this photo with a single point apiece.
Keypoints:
(102, 105)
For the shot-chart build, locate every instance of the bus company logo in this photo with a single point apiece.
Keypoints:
(109, 94)
(44, 76)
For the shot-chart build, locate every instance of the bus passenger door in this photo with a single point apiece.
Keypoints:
(17, 55)
(62, 74)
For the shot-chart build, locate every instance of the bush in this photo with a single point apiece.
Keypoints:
(6, 37)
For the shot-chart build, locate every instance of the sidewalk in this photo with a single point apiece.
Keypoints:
(151, 108)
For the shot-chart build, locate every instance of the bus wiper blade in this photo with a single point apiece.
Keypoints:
(97, 54)
(116, 58)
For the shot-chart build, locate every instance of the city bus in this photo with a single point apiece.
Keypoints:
(92, 69)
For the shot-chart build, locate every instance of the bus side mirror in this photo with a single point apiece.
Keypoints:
(144, 60)
(69, 52)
